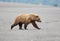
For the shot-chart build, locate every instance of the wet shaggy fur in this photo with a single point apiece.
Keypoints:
(26, 19)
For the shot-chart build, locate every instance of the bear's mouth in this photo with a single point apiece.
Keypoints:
(38, 20)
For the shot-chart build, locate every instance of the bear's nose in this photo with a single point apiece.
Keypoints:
(40, 21)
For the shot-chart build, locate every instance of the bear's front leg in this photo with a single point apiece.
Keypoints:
(35, 25)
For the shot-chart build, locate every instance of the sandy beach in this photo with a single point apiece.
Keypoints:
(50, 25)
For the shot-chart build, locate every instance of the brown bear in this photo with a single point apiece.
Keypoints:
(26, 19)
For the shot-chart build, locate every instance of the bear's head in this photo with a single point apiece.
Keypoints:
(35, 17)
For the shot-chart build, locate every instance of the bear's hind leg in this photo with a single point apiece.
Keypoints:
(25, 26)
(20, 26)
(13, 26)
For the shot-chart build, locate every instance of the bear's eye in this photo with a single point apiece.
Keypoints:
(36, 16)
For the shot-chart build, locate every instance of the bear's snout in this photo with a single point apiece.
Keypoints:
(39, 20)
